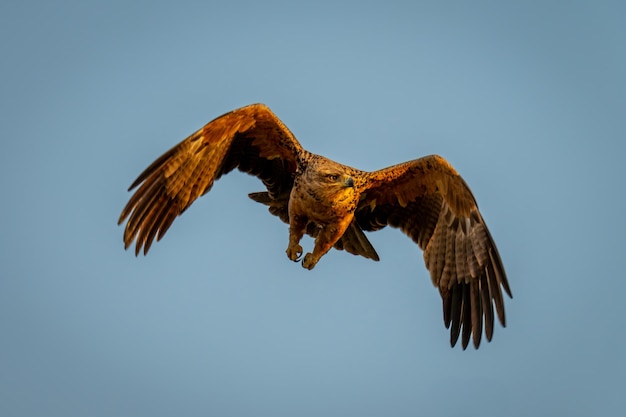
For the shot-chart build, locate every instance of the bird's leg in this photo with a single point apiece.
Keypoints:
(297, 226)
(326, 238)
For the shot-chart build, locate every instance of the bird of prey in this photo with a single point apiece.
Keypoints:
(334, 203)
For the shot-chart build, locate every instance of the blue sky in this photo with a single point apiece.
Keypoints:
(526, 100)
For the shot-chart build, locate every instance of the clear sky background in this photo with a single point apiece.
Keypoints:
(526, 99)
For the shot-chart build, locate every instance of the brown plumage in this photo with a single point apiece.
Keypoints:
(425, 198)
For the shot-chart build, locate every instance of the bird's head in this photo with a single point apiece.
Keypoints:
(329, 173)
(335, 179)
(331, 179)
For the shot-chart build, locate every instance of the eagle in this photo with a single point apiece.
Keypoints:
(334, 204)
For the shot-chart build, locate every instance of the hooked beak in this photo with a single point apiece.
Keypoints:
(349, 182)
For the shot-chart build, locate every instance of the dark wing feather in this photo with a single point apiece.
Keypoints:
(429, 201)
(251, 138)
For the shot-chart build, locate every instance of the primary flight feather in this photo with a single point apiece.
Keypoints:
(334, 203)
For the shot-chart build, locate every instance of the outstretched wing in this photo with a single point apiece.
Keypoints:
(429, 201)
(251, 138)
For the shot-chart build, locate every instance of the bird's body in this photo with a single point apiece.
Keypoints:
(325, 195)
(334, 203)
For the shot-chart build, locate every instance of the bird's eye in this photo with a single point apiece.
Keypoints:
(333, 177)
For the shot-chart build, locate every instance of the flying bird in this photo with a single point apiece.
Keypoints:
(425, 198)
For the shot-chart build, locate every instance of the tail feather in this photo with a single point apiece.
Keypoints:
(355, 242)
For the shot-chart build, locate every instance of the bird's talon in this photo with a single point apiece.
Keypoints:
(294, 252)
(309, 261)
